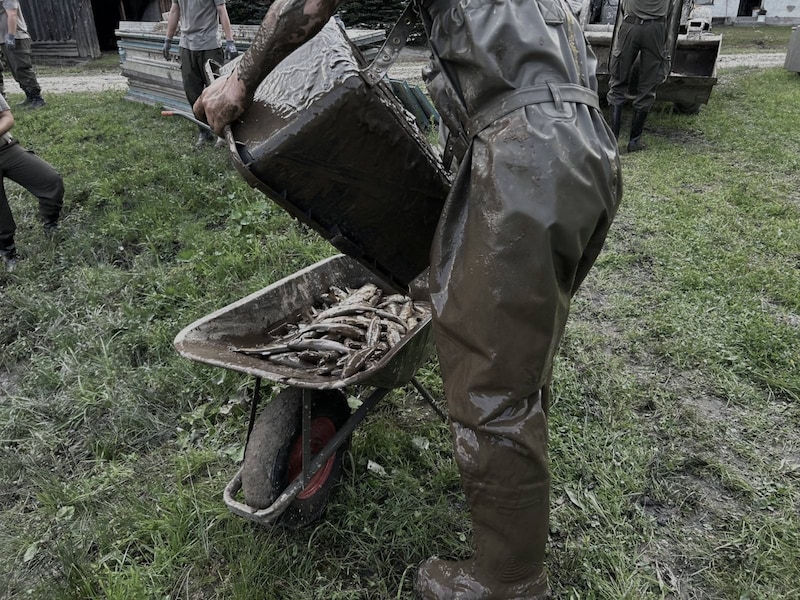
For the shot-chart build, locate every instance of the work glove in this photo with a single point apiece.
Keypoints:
(167, 46)
(230, 51)
(11, 41)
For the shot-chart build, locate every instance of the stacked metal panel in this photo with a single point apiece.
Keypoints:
(154, 80)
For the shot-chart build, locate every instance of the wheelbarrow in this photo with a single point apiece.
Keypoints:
(327, 140)
(295, 446)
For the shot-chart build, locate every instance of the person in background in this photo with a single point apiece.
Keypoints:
(199, 20)
(642, 33)
(16, 45)
(537, 187)
(32, 173)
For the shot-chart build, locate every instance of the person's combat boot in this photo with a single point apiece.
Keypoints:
(203, 137)
(9, 257)
(616, 119)
(36, 102)
(635, 142)
(507, 489)
(50, 228)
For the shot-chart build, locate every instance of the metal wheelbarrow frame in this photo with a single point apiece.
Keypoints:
(328, 141)
(210, 340)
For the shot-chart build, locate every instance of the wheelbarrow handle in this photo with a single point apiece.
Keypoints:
(186, 115)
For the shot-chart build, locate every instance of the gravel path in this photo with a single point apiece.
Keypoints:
(408, 67)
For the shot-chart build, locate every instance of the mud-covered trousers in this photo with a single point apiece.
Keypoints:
(645, 40)
(34, 174)
(525, 220)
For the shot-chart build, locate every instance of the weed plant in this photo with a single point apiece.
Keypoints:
(674, 427)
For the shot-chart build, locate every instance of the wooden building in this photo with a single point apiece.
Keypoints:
(83, 28)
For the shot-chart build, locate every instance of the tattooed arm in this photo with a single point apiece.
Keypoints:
(286, 26)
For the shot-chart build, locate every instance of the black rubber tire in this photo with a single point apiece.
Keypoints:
(273, 430)
(276, 441)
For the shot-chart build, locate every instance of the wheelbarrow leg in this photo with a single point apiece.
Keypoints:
(426, 395)
(253, 409)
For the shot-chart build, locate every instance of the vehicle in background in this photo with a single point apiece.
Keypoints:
(691, 47)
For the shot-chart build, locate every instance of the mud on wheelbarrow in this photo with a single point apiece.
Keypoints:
(296, 446)
(327, 140)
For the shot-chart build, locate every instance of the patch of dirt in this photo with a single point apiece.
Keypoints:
(73, 83)
(408, 66)
(759, 60)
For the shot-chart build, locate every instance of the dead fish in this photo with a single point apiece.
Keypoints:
(354, 320)
(373, 331)
(344, 309)
(317, 358)
(393, 337)
(406, 310)
(268, 350)
(321, 345)
(390, 317)
(362, 295)
(393, 299)
(355, 362)
(343, 329)
(288, 360)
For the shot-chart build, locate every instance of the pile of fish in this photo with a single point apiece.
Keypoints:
(349, 332)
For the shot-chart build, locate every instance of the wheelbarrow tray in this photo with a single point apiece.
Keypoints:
(247, 322)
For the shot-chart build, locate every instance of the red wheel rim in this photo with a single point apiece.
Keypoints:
(322, 430)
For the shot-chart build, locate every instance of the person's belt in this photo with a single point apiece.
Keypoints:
(557, 93)
(638, 21)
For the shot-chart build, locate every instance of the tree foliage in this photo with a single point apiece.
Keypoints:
(247, 12)
(373, 14)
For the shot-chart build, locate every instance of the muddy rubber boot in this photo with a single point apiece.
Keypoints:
(616, 119)
(637, 127)
(507, 487)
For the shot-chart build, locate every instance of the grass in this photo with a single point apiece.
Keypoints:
(761, 38)
(674, 428)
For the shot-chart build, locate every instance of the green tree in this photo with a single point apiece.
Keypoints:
(247, 12)
(373, 14)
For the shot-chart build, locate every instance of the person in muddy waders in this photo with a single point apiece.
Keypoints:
(199, 20)
(641, 34)
(537, 186)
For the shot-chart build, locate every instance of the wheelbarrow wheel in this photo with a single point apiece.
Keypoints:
(274, 456)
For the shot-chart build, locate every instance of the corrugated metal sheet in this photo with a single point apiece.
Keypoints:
(61, 27)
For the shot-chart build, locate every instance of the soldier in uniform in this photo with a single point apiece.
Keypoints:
(16, 44)
(199, 20)
(642, 33)
(35, 175)
(537, 187)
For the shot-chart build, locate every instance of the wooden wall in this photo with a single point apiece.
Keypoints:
(61, 28)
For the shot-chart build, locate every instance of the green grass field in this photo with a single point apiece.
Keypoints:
(675, 430)
(737, 39)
